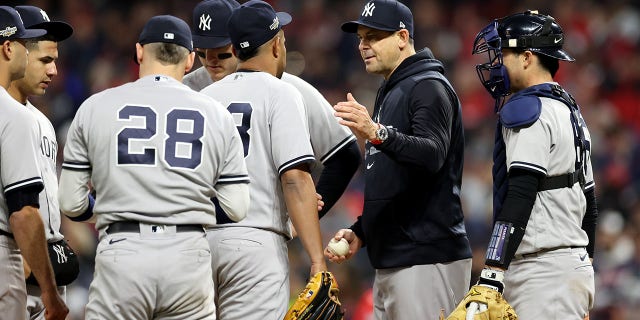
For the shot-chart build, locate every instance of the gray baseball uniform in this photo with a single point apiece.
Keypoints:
(156, 152)
(327, 135)
(49, 209)
(19, 169)
(547, 146)
(270, 117)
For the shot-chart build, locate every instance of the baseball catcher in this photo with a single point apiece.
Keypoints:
(318, 300)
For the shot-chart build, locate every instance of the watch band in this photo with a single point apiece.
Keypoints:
(381, 135)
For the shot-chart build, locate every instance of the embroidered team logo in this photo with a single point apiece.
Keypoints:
(62, 257)
(8, 31)
(205, 22)
(44, 16)
(368, 9)
(275, 24)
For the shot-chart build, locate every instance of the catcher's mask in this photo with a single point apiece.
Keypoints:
(538, 33)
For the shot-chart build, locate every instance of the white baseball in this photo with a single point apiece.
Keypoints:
(339, 248)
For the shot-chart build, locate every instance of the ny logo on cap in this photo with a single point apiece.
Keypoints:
(205, 22)
(368, 9)
(275, 24)
(44, 16)
(59, 250)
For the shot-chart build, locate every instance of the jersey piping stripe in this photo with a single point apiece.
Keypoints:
(24, 183)
(76, 166)
(337, 148)
(589, 185)
(528, 166)
(294, 162)
(233, 179)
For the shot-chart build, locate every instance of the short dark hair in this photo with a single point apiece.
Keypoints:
(244, 55)
(32, 44)
(550, 63)
(168, 53)
(248, 53)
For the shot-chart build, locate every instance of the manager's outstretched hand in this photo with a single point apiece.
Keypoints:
(356, 117)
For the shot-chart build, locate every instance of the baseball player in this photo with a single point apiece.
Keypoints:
(41, 68)
(21, 226)
(250, 267)
(155, 152)
(334, 146)
(544, 199)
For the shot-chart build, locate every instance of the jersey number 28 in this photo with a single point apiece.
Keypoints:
(183, 129)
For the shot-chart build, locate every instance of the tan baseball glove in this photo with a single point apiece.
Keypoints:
(318, 300)
(497, 308)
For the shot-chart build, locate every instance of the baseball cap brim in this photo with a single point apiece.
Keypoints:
(57, 29)
(284, 18)
(29, 34)
(352, 26)
(209, 42)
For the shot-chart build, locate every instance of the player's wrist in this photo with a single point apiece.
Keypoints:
(492, 278)
(380, 134)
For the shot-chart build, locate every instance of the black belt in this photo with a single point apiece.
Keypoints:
(4, 233)
(559, 182)
(133, 226)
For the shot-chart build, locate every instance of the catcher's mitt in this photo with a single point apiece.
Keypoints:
(497, 307)
(318, 300)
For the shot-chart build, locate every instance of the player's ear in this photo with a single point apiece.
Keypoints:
(527, 58)
(234, 51)
(139, 51)
(191, 58)
(275, 46)
(6, 49)
(403, 38)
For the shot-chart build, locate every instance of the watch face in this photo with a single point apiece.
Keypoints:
(382, 133)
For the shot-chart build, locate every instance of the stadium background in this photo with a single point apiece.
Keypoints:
(604, 37)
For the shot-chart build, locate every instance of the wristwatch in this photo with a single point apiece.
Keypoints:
(381, 135)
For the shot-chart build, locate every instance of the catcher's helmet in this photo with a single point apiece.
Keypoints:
(531, 31)
(535, 32)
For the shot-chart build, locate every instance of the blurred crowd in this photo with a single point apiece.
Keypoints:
(603, 36)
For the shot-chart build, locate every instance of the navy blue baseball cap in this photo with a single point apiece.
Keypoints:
(254, 23)
(12, 27)
(386, 15)
(167, 29)
(36, 18)
(210, 23)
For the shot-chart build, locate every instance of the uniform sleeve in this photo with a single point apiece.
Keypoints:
(528, 148)
(75, 150)
(234, 168)
(290, 144)
(76, 170)
(21, 174)
(431, 125)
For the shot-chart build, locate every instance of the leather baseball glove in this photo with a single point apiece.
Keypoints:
(497, 308)
(318, 300)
